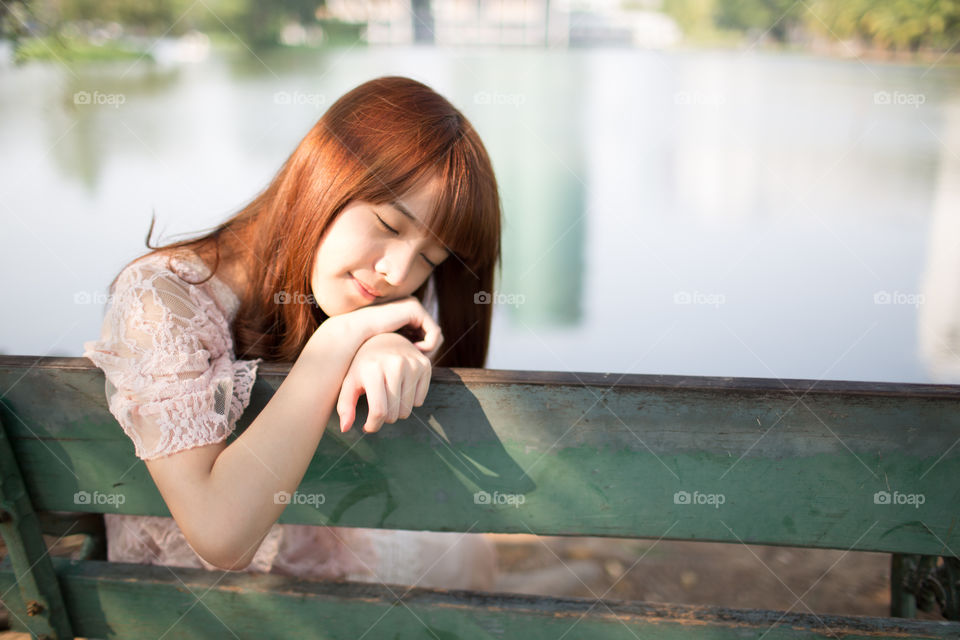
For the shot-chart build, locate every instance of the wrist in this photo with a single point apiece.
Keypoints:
(340, 332)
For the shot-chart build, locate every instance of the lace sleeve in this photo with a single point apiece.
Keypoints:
(166, 351)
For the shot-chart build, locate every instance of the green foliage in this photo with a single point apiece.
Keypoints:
(62, 49)
(256, 24)
(892, 24)
(774, 17)
(886, 24)
(693, 16)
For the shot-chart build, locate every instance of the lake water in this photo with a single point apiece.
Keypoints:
(699, 213)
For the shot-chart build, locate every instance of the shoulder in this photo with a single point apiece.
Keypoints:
(178, 279)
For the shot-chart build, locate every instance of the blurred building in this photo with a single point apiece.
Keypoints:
(509, 23)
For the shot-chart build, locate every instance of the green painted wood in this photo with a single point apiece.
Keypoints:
(113, 600)
(41, 611)
(795, 463)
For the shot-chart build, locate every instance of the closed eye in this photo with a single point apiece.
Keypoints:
(387, 227)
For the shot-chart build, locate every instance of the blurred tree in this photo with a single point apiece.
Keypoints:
(890, 24)
(695, 17)
(773, 17)
(906, 25)
(150, 17)
(259, 23)
(13, 20)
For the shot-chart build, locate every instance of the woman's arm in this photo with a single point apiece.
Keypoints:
(222, 497)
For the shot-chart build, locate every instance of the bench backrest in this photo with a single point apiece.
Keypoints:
(844, 465)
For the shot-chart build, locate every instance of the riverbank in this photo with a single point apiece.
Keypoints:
(196, 45)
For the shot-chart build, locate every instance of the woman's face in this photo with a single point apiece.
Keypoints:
(375, 253)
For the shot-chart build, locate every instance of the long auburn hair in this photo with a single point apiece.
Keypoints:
(374, 143)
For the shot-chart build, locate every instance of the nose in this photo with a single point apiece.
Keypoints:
(396, 263)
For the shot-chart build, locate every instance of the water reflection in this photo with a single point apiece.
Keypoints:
(546, 206)
(939, 315)
(690, 213)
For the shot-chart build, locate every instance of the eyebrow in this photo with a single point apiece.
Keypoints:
(402, 209)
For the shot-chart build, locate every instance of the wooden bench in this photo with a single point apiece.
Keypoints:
(838, 465)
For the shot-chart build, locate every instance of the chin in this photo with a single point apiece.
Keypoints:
(327, 309)
(335, 310)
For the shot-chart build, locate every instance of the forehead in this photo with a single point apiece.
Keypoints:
(419, 203)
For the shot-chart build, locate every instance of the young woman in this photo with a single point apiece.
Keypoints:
(359, 264)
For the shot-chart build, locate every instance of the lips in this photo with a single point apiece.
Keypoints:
(369, 292)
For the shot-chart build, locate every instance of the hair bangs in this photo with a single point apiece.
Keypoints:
(465, 219)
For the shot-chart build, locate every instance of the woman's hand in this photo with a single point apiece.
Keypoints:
(406, 314)
(392, 373)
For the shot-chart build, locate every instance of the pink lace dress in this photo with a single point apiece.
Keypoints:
(172, 383)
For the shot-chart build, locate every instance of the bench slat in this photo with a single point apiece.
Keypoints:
(566, 454)
(115, 600)
(27, 554)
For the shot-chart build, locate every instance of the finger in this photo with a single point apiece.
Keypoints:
(423, 385)
(408, 396)
(432, 356)
(394, 384)
(350, 393)
(376, 402)
(432, 338)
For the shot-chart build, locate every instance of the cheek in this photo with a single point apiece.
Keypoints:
(329, 255)
(416, 284)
